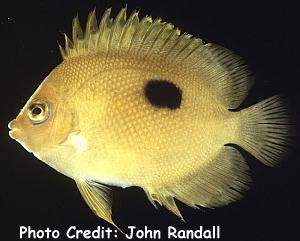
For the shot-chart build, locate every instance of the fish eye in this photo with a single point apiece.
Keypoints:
(38, 112)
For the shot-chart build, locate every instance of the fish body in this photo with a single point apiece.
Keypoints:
(112, 112)
(136, 103)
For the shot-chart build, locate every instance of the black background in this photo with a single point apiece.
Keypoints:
(36, 195)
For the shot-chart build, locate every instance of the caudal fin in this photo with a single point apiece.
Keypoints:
(266, 130)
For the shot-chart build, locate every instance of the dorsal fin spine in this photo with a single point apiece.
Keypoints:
(170, 40)
(148, 33)
(139, 33)
(223, 70)
(68, 45)
(91, 30)
(131, 22)
(118, 29)
(167, 29)
(103, 30)
(156, 24)
(77, 33)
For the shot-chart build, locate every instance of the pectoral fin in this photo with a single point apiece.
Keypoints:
(98, 197)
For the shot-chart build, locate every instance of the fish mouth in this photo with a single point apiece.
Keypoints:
(13, 130)
(11, 124)
(12, 134)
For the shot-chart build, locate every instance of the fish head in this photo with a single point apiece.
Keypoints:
(45, 121)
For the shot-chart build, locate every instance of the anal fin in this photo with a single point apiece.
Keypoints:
(220, 182)
(165, 199)
(98, 197)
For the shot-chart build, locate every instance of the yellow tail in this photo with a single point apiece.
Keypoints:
(266, 130)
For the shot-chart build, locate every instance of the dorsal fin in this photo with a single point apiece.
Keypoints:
(222, 69)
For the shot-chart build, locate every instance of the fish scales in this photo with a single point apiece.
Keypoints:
(122, 113)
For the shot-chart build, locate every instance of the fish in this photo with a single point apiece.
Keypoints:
(136, 102)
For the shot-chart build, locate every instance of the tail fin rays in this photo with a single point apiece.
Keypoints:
(266, 130)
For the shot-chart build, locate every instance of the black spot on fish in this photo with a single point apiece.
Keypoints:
(163, 94)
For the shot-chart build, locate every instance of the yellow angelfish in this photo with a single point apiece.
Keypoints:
(137, 103)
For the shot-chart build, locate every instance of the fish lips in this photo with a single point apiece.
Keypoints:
(13, 130)
(11, 124)
(13, 133)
